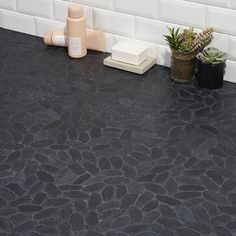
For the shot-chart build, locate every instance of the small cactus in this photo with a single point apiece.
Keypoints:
(187, 37)
(203, 39)
(212, 56)
(189, 41)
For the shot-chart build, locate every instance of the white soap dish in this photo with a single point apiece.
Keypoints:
(138, 69)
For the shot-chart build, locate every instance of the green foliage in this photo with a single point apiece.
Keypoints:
(212, 56)
(187, 42)
(189, 34)
(174, 39)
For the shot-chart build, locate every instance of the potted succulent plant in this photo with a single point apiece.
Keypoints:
(211, 68)
(184, 47)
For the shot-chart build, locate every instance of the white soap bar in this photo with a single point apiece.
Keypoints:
(130, 53)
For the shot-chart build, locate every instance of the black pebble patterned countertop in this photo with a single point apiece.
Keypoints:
(87, 150)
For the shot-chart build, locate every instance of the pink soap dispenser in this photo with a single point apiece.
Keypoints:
(76, 32)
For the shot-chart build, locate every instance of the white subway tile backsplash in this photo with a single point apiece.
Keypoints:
(60, 10)
(107, 4)
(182, 12)
(222, 19)
(163, 55)
(152, 30)
(230, 71)
(88, 11)
(43, 25)
(134, 7)
(8, 4)
(118, 38)
(220, 41)
(232, 48)
(109, 41)
(41, 8)
(112, 22)
(144, 21)
(219, 3)
(149, 30)
(18, 22)
(1, 18)
(233, 4)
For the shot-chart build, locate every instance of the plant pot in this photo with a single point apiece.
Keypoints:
(182, 66)
(210, 76)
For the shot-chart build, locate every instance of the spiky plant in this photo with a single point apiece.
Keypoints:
(187, 42)
(203, 39)
(174, 39)
(212, 56)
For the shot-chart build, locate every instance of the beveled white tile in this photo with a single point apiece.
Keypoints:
(111, 22)
(8, 4)
(17, 22)
(138, 8)
(43, 25)
(182, 12)
(107, 4)
(41, 8)
(222, 19)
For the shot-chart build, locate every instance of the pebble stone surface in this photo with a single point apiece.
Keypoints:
(87, 150)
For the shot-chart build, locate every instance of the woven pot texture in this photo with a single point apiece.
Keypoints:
(183, 66)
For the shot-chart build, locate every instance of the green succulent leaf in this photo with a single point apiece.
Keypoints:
(174, 39)
(212, 56)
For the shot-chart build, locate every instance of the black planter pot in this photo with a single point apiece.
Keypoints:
(210, 76)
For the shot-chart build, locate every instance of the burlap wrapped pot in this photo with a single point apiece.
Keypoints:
(183, 66)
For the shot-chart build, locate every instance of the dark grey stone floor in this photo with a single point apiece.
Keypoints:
(88, 150)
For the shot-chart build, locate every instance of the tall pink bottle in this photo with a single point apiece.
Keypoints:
(76, 32)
